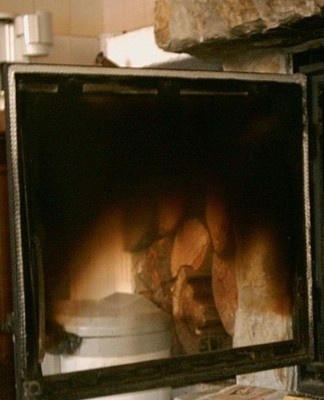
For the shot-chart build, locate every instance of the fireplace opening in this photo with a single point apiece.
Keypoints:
(187, 194)
(175, 194)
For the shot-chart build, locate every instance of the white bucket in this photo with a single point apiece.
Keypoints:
(120, 329)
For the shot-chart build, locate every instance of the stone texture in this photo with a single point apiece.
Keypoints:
(262, 62)
(277, 12)
(225, 290)
(238, 14)
(181, 24)
(262, 273)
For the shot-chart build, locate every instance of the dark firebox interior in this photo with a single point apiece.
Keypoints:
(87, 149)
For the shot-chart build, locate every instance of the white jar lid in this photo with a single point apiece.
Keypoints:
(120, 314)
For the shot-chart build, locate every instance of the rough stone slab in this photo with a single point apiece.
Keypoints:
(182, 24)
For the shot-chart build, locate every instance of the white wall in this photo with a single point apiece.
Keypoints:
(77, 24)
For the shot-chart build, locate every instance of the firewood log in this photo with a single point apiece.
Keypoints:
(147, 219)
(170, 210)
(185, 306)
(190, 246)
(197, 322)
(188, 314)
(153, 274)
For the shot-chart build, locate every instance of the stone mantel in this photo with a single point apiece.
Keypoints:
(221, 27)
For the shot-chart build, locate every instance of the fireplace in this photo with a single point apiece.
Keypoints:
(188, 189)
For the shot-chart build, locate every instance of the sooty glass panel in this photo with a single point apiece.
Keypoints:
(166, 214)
